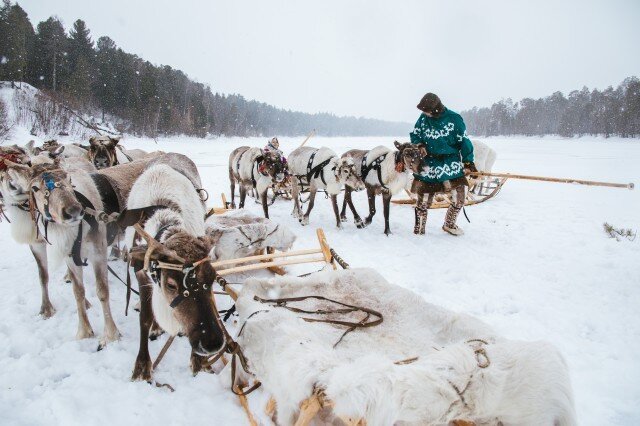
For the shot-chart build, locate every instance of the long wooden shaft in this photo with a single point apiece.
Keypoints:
(266, 265)
(264, 256)
(313, 132)
(558, 180)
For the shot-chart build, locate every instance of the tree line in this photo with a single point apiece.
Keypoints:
(150, 99)
(610, 112)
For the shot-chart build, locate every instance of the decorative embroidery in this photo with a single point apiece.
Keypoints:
(462, 136)
(437, 134)
(447, 169)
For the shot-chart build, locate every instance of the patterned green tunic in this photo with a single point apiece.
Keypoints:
(448, 146)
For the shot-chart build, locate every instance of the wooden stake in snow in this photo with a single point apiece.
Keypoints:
(557, 180)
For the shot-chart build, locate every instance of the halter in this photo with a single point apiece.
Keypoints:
(190, 284)
(318, 170)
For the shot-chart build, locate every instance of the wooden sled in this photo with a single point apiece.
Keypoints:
(479, 193)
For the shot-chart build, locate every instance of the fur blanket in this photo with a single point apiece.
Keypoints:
(524, 383)
(239, 233)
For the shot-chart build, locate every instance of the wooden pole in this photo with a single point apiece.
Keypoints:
(264, 257)
(322, 239)
(267, 265)
(309, 136)
(557, 180)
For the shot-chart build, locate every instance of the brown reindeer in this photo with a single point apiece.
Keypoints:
(385, 172)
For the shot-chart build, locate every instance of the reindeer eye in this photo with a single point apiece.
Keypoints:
(35, 189)
(172, 286)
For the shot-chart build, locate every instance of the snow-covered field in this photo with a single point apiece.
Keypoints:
(535, 264)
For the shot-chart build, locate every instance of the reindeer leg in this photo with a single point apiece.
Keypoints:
(343, 212)
(233, 191)
(142, 367)
(312, 198)
(84, 326)
(295, 194)
(265, 205)
(371, 196)
(386, 202)
(111, 332)
(336, 210)
(356, 217)
(243, 196)
(39, 252)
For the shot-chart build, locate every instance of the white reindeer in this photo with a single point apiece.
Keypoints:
(316, 169)
(74, 238)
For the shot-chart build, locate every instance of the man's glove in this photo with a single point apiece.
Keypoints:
(469, 169)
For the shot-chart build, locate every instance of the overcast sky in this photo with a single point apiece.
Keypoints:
(373, 58)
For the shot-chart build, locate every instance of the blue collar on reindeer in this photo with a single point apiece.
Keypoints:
(49, 182)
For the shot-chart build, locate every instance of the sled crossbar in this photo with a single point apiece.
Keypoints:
(277, 260)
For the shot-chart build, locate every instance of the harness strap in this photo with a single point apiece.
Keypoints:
(375, 165)
(318, 170)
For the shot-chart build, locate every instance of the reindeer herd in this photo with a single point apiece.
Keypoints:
(381, 171)
(77, 205)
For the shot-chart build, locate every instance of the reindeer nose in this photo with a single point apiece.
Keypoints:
(72, 212)
(209, 345)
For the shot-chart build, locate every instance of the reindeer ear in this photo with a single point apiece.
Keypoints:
(93, 141)
(397, 144)
(29, 147)
(114, 140)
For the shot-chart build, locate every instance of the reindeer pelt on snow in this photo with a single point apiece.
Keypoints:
(484, 156)
(526, 383)
(239, 233)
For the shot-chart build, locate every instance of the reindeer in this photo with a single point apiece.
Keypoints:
(177, 257)
(16, 198)
(253, 168)
(102, 152)
(315, 169)
(58, 208)
(385, 172)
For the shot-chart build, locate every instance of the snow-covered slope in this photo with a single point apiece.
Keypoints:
(32, 113)
(534, 263)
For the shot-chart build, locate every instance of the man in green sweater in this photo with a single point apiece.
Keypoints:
(449, 159)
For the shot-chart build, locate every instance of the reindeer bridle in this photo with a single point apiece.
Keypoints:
(190, 284)
(50, 184)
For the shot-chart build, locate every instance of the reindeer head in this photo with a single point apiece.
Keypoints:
(181, 268)
(273, 166)
(12, 155)
(51, 149)
(102, 151)
(410, 156)
(51, 191)
(346, 173)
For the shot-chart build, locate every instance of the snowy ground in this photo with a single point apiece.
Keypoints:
(535, 263)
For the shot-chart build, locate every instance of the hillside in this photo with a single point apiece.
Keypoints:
(149, 99)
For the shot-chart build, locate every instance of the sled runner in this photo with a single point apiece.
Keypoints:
(479, 192)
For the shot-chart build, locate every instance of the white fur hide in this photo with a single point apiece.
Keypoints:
(525, 383)
(483, 156)
(239, 233)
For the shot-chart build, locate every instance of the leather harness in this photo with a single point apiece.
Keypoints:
(317, 170)
(375, 165)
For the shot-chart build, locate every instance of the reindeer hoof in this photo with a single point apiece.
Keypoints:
(108, 338)
(304, 221)
(85, 333)
(197, 366)
(142, 371)
(47, 311)
(360, 224)
(387, 232)
(343, 218)
(368, 221)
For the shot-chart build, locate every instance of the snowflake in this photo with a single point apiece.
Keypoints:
(4, 60)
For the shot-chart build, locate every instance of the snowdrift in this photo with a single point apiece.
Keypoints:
(422, 365)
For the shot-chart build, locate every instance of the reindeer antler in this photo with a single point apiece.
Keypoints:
(153, 246)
